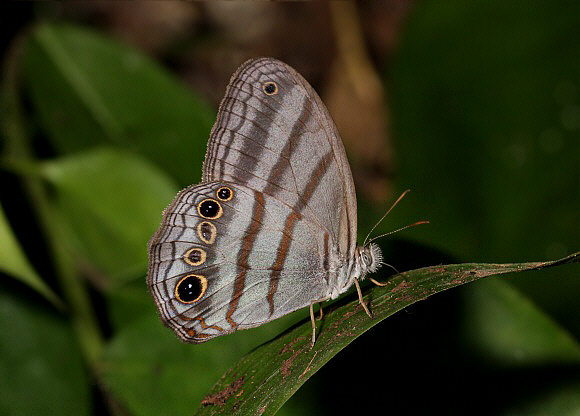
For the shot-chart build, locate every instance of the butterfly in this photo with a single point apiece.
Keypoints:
(272, 226)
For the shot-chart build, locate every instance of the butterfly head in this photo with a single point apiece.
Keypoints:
(370, 258)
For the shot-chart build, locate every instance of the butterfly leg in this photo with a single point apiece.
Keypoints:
(376, 282)
(312, 319)
(360, 298)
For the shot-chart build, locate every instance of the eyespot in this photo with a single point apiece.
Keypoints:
(206, 232)
(195, 256)
(210, 209)
(270, 88)
(191, 288)
(224, 193)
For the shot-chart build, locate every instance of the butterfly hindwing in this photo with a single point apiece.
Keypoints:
(213, 268)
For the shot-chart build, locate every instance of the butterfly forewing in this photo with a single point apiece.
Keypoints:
(284, 144)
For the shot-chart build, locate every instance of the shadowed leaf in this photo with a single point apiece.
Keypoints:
(288, 361)
(103, 226)
(90, 90)
(13, 261)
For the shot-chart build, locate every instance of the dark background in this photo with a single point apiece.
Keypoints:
(473, 106)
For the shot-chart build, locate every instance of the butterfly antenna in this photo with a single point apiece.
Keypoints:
(399, 229)
(389, 265)
(383, 217)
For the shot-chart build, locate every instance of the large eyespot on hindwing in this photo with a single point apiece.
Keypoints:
(210, 209)
(190, 288)
(206, 232)
(195, 256)
(270, 88)
(225, 193)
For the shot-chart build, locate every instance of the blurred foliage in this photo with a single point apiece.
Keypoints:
(97, 138)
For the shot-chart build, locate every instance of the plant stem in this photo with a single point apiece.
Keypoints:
(18, 150)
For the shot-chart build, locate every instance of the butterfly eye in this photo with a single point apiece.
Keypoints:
(225, 193)
(209, 208)
(191, 288)
(270, 88)
(195, 256)
(206, 232)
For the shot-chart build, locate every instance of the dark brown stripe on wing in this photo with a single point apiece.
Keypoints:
(281, 255)
(282, 165)
(284, 246)
(248, 243)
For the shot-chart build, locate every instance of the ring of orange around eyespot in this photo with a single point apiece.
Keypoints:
(269, 84)
(213, 232)
(187, 254)
(201, 280)
(218, 214)
(230, 190)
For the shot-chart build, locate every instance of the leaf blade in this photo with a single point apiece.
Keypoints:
(111, 200)
(90, 90)
(287, 361)
(13, 261)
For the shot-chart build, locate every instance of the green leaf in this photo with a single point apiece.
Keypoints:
(499, 95)
(266, 377)
(90, 90)
(486, 134)
(154, 373)
(112, 202)
(40, 362)
(504, 326)
(561, 401)
(13, 261)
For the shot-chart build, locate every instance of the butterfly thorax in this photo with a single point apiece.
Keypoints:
(366, 259)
